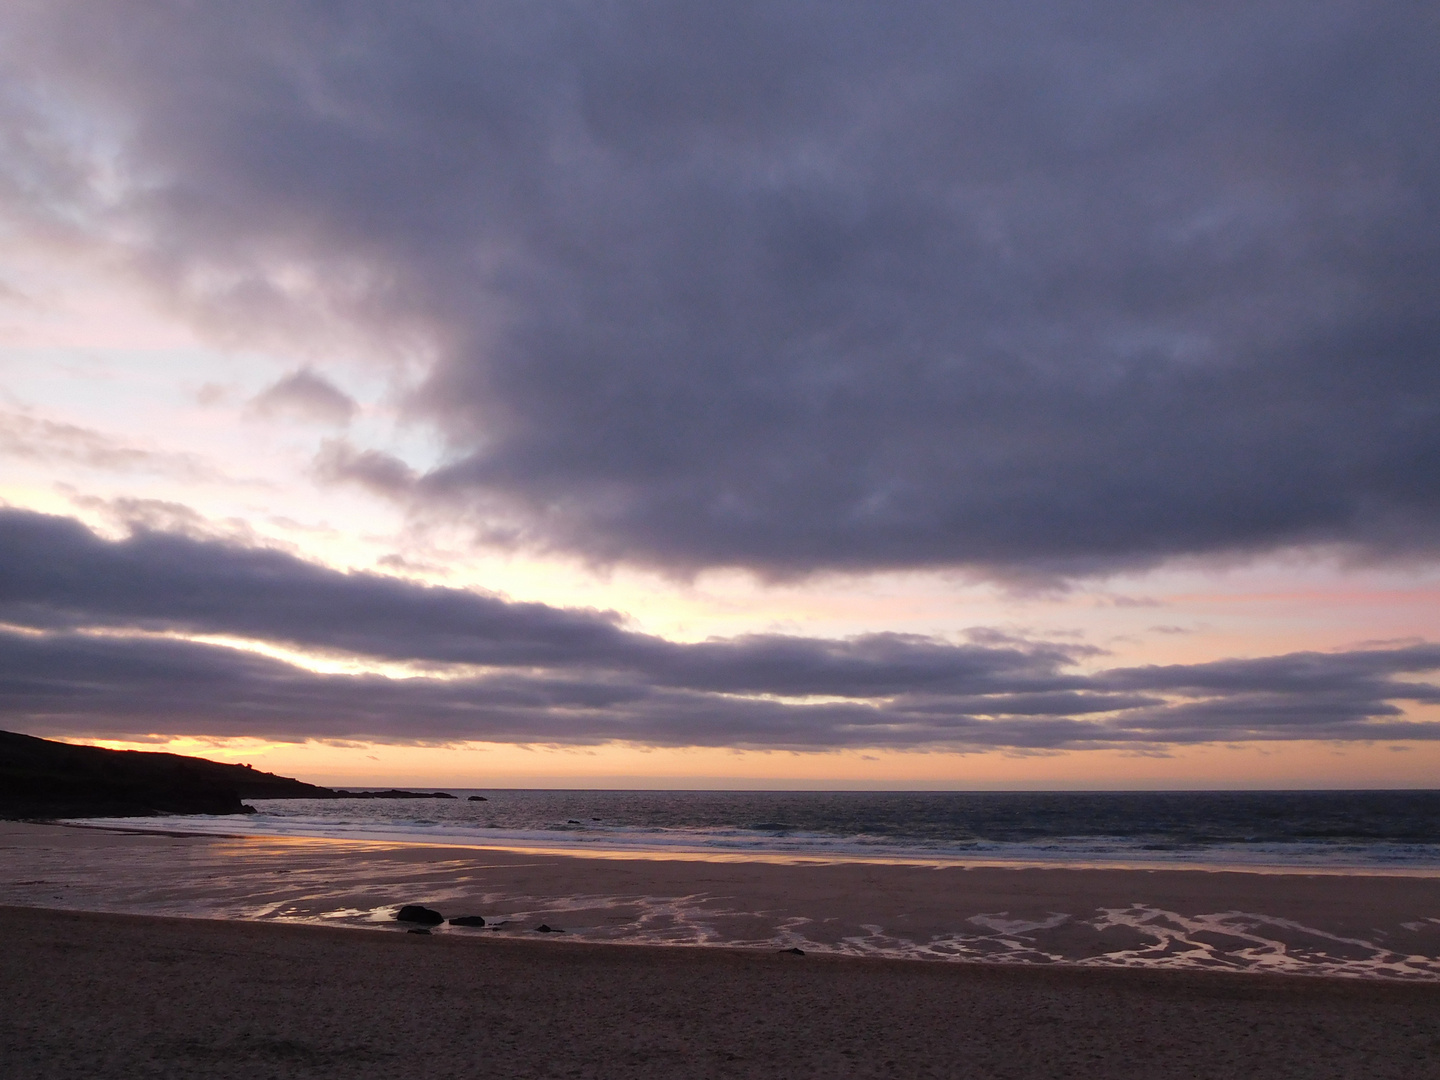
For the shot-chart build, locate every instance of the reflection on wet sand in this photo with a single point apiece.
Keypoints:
(1365, 927)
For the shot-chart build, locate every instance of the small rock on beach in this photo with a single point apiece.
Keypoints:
(418, 914)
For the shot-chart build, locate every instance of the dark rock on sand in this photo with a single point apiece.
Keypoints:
(417, 914)
(543, 929)
(418, 930)
(477, 798)
(792, 952)
(468, 920)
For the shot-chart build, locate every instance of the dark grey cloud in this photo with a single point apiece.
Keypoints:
(67, 683)
(382, 473)
(91, 640)
(56, 574)
(1034, 287)
(306, 395)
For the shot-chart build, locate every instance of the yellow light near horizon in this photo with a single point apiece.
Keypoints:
(492, 765)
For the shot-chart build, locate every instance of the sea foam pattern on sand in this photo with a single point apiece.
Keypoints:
(1135, 936)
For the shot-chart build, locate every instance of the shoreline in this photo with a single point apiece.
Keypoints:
(1364, 927)
(678, 853)
(85, 994)
(595, 833)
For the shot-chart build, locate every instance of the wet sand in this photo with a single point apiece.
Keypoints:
(1353, 926)
(88, 995)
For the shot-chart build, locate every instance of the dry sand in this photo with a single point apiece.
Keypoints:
(87, 995)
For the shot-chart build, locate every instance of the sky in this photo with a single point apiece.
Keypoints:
(772, 394)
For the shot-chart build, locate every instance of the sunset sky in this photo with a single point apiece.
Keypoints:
(1037, 395)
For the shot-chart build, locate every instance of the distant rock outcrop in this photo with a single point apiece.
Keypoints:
(40, 778)
(44, 779)
(477, 798)
(391, 794)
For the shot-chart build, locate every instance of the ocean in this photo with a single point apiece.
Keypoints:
(1342, 831)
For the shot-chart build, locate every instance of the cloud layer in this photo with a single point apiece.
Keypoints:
(1036, 287)
(97, 636)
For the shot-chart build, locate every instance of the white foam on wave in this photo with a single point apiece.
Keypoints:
(609, 841)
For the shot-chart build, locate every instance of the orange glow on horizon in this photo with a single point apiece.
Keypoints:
(491, 765)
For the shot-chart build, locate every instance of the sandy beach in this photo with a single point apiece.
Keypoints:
(1317, 924)
(85, 995)
(288, 962)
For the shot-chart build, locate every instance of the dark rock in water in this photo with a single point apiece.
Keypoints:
(477, 798)
(418, 930)
(468, 920)
(393, 793)
(792, 952)
(572, 821)
(417, 914)
(543, 929)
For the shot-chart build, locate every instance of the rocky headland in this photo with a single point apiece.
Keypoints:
(40, 778)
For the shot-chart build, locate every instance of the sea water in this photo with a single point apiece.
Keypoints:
(1372, 831)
